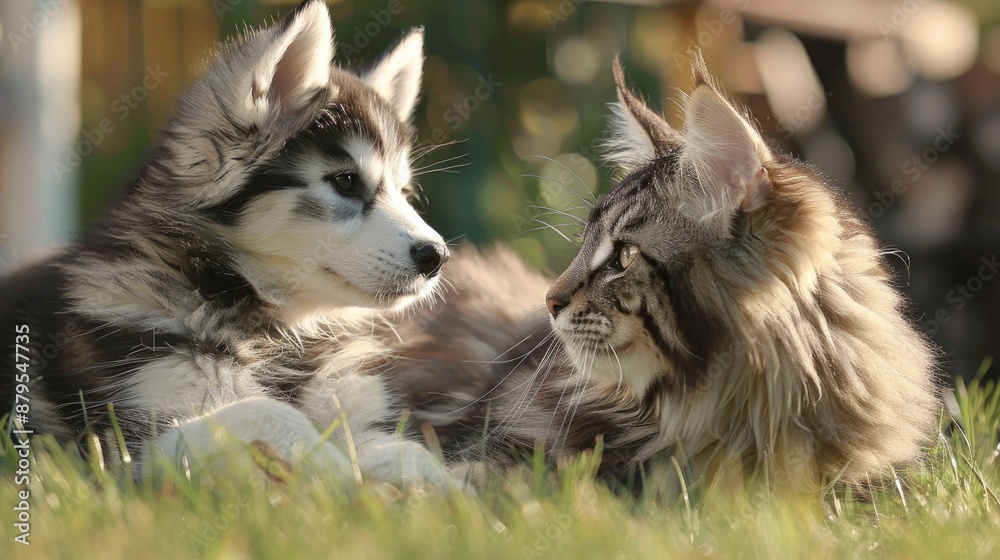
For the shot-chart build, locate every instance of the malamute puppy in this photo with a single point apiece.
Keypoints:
(274, 214)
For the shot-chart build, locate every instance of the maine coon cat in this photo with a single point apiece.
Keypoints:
(726, 305)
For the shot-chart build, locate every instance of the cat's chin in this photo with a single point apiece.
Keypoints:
(630, 367)
(620, 349)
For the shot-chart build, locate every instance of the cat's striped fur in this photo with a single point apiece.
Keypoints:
(726, 305)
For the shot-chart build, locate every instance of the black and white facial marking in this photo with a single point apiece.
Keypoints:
(310, 168)
(638, 297)
(335, 206)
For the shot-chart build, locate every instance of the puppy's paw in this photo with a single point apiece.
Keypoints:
(267, 433)
(407, 464)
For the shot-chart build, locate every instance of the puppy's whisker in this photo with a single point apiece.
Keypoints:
(453, 158)
(423, 150)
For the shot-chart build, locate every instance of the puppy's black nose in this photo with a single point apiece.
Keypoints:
(430, 258)
(555, 304)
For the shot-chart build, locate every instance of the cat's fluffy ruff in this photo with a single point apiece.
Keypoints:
(779, 340)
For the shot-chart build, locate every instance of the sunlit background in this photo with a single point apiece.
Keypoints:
(898, 101)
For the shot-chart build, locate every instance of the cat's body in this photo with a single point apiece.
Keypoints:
(726, 306)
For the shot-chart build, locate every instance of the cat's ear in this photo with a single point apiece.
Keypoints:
(721, 147)
(636, 133)
(396, 77)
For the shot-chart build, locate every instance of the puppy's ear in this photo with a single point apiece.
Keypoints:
(397, 75)
(267, 84)
(268, 80)
(297, 62)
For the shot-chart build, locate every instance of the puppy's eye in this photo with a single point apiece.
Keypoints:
(347, 183)
(626, 254)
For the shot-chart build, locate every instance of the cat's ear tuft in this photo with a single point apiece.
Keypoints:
(700, 75)
(397, 75)
(636, 133)
(721, 147)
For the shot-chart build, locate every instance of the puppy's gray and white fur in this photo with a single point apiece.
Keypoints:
(273, 218)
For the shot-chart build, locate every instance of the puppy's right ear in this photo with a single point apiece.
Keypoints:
(298, 60)
(276, 73)
(260, 90)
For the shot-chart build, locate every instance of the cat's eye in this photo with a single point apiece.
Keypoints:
(347, 183)
(626, 255)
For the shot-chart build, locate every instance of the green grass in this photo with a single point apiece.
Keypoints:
(945, 508)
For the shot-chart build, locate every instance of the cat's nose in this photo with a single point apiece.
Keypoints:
(430, 258)
(556, 304)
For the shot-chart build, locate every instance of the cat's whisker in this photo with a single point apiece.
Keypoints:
(621, 371)
(504, 427)
(524, 401)
(582, 200)
(582, 380)
(572, 208)
(550, 210)
(512, 371)
(901, 255)
(552, 227)
(564, 166)
(547, 226)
